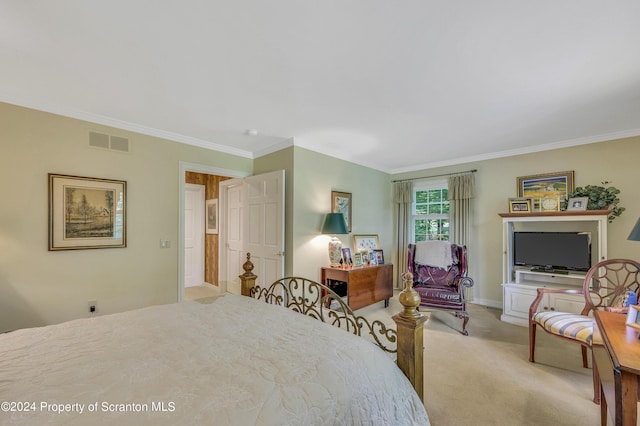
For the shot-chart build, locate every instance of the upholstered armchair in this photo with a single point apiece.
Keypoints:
(439, 271)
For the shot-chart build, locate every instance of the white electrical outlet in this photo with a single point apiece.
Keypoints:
(165, 243)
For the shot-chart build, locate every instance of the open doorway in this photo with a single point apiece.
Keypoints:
(209, 177)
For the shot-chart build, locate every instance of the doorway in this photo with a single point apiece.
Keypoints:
(189, 171)
(260, 221)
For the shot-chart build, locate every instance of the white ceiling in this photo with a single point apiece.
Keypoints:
(396, 85)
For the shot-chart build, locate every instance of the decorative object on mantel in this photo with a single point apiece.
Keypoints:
(600, 198)
(520, 205)
(334, 224)
(548, 190)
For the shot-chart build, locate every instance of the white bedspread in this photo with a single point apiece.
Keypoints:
(236, 361)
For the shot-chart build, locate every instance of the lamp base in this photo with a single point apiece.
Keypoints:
(335, 252)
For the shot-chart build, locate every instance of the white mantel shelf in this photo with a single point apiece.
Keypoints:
(563, 213)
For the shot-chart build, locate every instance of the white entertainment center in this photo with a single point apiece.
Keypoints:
(519, 284)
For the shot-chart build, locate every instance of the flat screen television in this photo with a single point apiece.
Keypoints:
(552, 251)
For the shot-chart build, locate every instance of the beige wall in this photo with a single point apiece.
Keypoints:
(613, 161)
(311, 177)
(41, 287)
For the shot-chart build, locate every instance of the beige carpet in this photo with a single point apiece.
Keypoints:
(205, 293)
(486, 379)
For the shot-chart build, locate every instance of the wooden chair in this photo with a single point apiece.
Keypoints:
(604, 286)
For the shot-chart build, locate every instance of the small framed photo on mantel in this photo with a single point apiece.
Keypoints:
(578, 203)
(520, 205)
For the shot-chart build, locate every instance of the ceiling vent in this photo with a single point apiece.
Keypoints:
(112, 143)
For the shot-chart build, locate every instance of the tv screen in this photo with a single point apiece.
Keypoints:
(552, 250)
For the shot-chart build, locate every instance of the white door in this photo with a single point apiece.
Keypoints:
(253, 223)
(264, 225)
(231, 252)
(193, 234)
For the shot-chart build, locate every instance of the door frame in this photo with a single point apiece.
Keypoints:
(183, 168)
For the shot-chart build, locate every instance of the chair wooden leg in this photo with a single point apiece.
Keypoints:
(585, 363)
(532, 341)
(597, 387)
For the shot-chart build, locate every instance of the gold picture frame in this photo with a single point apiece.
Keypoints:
(368, 242)
(556, 185)
(521, 205)
(341, 203)
(86, 212)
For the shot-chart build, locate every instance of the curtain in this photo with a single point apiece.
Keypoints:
(461, 191)
(403, 200)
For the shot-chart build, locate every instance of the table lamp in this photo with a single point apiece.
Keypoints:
(334, 223)
(635, 232)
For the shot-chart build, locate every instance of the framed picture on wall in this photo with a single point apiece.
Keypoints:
(341, 203)
(549, 186)
(212, 216)
(86, 212)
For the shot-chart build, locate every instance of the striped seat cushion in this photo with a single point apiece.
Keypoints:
(572, 326)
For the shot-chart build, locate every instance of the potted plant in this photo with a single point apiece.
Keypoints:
(600, 198)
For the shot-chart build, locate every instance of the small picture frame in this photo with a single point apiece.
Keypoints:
(520, 205)
(577, 203)
(346, 256)
(212, 216)
(372, 258)
(633, 316)
(365, 256)
(357, 259)
(378, 254)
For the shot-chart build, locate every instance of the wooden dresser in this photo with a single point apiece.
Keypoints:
(364, 284)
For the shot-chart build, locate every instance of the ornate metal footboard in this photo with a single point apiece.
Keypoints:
(320, 302)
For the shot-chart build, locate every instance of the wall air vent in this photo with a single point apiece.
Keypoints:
(112, 143)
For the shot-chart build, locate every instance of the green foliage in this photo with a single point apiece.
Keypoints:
(601, 198)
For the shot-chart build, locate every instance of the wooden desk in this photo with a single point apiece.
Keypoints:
(617, 358)
(365, 284)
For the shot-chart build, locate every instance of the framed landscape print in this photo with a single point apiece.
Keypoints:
(550, 186)
(341, 203)
(86, 212)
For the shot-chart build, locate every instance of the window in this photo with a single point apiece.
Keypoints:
(430, 211)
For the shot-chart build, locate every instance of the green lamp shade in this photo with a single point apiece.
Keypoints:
(635, 232)
(334, 223)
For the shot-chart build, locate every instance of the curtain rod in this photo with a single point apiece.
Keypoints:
(427, 177)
